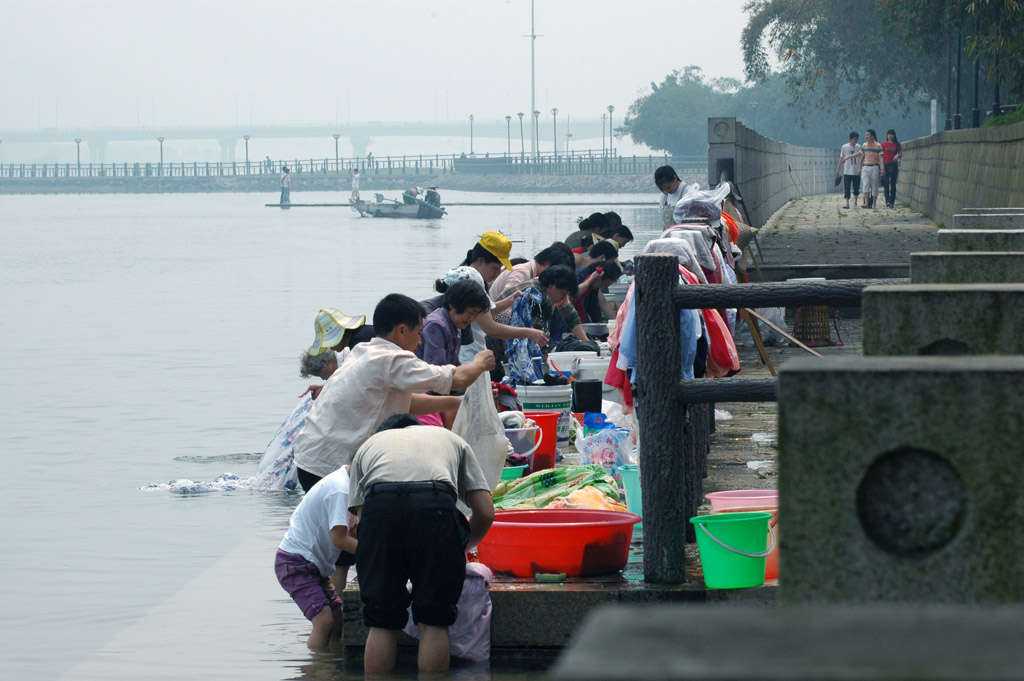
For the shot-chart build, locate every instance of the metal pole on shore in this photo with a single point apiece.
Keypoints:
(554, 131)
(337, 168)
(508, 134)
(533, 85)
(522, 143)
(78, 154)
(246, 138)
(611, 142)
(161, 141)
(470, 134)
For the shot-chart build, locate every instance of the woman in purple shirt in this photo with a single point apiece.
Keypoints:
(442, 332)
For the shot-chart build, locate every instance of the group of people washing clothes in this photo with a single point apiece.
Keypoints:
(865, 166)
(372, 447)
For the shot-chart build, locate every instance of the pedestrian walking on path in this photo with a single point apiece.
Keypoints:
(892, 152)
(849, 165)
(871, 171)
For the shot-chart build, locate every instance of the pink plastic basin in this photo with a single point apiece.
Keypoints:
(577, 542)
(737, 498)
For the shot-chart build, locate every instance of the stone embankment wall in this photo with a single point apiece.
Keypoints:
(978, 168)
(305, 182)
(768, 173)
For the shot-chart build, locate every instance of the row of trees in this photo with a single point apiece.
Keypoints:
(673, 116)
(817, 69)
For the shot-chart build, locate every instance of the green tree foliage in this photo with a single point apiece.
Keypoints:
(989, 28)
(839, 56)
(673, 116)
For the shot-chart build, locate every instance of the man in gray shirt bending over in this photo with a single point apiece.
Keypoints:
(405, 482)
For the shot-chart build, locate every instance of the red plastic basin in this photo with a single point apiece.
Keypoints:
(578, 542)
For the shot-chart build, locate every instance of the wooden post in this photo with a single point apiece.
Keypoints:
(662, 463)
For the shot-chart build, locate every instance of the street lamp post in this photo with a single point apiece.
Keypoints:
(604, 117)
(611, 128)
(508, 135)
(161, 141)
(470, 134)
(522, 142)
(246, 138)
(554, 131)
(957, 120)
(536, 133)
(336, 167)
(976, 112)
(78, 153)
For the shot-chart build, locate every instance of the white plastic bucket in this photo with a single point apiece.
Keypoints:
(561, 362)
(596, 368)
(556, 398)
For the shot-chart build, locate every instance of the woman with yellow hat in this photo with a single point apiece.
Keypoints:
(488, 256)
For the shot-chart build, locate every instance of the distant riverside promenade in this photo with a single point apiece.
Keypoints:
(586, 171)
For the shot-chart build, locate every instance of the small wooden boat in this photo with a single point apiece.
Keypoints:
(390, 208)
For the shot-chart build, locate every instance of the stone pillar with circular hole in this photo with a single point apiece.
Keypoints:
(902, 479)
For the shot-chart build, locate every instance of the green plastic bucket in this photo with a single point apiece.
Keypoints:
(732, 548)
(631, 483)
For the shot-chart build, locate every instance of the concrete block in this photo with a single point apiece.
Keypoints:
(797, 643)
(901, 480)
(990, 211)
(967, 268)
(981, 239)
(944, 319)
(989, 221)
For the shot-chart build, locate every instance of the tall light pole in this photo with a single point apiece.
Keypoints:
(508, 134)
(161, 141)
(554, 130)
(611, 130)
(78, 153)
(336, 136)
(604, 117)
(470, 134)
(957, 119)
(522, 140)
(246, 138)
(534, 132)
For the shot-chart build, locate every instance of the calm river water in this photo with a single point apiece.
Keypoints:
(145, 338)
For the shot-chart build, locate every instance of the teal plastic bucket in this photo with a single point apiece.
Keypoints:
(732, 548)
(631, 483)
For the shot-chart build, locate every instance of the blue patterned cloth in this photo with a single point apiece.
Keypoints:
(521, 351)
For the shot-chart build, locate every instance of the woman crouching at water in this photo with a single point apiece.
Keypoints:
(487, 257)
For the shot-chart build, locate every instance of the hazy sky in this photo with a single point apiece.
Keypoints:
(108, 63)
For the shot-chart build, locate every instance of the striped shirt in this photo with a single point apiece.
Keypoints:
(872, 154)
(415, 454)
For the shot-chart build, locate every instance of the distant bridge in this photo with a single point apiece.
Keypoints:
(359, 134)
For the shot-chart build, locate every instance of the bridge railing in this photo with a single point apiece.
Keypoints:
(585, 162)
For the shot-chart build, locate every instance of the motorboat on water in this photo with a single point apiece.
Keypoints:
(409, 207)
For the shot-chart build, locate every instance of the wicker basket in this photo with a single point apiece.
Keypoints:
(813, 325)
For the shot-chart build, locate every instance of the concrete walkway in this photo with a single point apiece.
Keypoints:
(818, 230)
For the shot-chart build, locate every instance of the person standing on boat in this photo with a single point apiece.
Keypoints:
(355, 185)
(286, 186)
(432, 197)
(409, 196)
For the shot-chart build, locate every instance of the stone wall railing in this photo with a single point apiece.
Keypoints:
(982, 167)
(769, 173)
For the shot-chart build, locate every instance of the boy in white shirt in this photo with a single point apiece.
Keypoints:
(317, 534)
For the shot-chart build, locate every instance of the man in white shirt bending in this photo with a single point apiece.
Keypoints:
(355, 185)
(671, 187)
(378, 378)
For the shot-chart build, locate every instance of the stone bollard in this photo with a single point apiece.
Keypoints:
(981, 239)
(944, 319)
(989, 221)
(977, 267)
(901, 479)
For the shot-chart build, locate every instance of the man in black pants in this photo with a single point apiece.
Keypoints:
(405, 481)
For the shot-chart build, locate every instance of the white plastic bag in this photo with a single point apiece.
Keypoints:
(478, 424)
(277, 467)
(470, 637)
